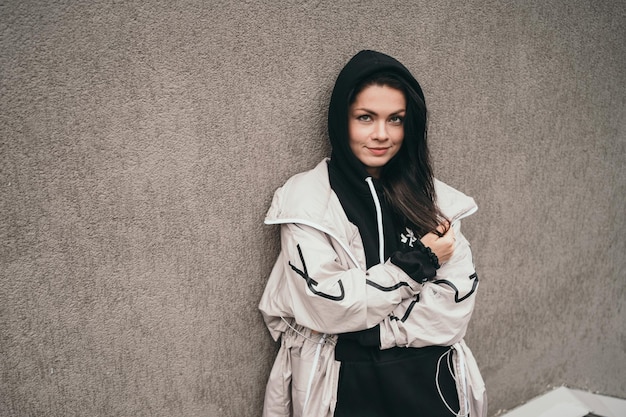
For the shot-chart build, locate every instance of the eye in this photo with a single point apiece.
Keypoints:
(364, 118)
(396, 120)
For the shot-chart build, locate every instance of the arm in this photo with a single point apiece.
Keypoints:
(440, 314)
(320, 287)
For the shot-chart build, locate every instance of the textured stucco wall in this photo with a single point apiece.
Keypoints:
(141, 141)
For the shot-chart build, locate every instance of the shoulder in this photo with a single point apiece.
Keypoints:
(453, 203)
(316, 178)
(306, 194)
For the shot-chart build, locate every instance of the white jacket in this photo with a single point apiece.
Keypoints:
(319, 287)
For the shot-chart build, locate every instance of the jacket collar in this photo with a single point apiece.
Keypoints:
(307, 198)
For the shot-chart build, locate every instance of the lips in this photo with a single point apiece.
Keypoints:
(378, 151)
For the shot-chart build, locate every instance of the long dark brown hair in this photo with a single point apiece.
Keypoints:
(407, 179)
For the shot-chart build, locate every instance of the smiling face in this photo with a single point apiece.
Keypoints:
(376, 126)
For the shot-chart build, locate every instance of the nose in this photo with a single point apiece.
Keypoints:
(380, 131)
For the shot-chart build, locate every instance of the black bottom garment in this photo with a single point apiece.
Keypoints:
(398, 382)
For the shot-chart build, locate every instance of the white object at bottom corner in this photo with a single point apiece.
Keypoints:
(566, 402)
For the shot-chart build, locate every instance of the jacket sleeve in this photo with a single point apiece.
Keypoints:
(314, 284)
(440, 313)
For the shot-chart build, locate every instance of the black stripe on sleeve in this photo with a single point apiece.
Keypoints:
(408, 310)
(386, 289)
(458, 299)
(310, 282)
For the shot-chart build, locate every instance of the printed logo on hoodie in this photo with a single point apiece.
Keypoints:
(409, 238)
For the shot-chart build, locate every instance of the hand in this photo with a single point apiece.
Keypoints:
(442, 247)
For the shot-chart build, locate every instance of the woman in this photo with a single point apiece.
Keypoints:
(374, 286)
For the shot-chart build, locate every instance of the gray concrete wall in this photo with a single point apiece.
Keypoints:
(141, 142)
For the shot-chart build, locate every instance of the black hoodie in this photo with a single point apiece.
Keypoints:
(364, 365)
(348, 175)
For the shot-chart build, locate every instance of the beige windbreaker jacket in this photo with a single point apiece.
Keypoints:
(318, 289)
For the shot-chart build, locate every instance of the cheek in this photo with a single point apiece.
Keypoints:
(355, 147)
(356, 134)
(398, 135)
(353, 127)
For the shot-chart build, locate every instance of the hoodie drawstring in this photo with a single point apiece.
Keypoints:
(459, 351)
(460, 379)
(379, 220)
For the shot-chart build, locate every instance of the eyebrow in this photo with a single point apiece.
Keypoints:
(376, 114)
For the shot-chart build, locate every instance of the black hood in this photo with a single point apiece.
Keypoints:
(347, 174)
(361, 66)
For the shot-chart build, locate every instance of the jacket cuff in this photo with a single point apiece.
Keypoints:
(421, 264)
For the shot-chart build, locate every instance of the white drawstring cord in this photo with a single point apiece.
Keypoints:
(463, 381)
(318, 351)
(379, 220)
(295, 330)
(459, 351)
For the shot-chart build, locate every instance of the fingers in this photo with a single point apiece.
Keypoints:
(441, 245)
(450, 234)
(431, 239)
(443, 228)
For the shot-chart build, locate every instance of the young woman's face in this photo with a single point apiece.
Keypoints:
(375, 126)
